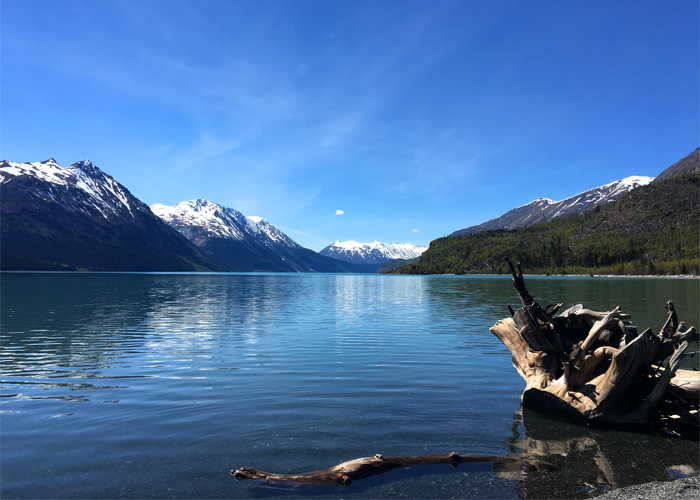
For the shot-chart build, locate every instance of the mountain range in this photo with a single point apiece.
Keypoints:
(78, 217)
(241, 243)
(544, 209)
(372, 253)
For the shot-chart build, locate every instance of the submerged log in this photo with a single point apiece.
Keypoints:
(361, 468)
(593, 365)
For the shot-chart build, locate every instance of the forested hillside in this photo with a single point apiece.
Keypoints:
(654, 229)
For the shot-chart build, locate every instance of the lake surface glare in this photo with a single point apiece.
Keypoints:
(157, 385)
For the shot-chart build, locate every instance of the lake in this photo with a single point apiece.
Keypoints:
(157, 385)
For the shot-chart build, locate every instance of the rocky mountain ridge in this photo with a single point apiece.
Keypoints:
(544, 209)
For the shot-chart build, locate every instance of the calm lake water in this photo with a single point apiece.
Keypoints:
(156, 385)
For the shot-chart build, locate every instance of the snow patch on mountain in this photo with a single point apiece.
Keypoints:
(539, 202)
(48, 171)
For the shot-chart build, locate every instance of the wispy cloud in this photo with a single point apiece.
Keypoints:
(295, 232)
(206, 148)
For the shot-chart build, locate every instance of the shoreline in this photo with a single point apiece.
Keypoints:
(536, 275)
(657, 276)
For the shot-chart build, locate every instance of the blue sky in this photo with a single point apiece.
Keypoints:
(412, 118)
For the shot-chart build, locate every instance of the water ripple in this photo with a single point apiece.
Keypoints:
(210, 372)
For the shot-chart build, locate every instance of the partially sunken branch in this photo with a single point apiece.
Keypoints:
(361, 468)
(593, 365)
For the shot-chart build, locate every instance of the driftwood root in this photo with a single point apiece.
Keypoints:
(593, 364)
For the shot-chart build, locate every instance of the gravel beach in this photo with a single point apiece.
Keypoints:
(686, 488)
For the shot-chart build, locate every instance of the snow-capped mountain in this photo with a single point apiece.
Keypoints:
(94, 191)
(79, 217)
(544, 209)
(199, 218)
(242, 243)
(372, 253)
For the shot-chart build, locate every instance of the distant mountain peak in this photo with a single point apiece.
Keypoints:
(86, 163)
(374, 252)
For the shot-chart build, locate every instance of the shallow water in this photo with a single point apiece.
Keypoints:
(156, 385)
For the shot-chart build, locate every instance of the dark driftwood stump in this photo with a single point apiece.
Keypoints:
(592, 365)
(361, 468)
